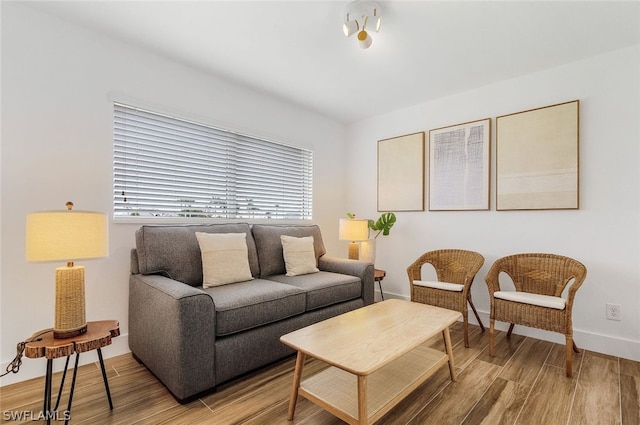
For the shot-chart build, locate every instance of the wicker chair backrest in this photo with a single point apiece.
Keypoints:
(545, 274)
(451, 265)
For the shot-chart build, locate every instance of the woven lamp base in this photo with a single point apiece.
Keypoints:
(70, 317)
(354, 250)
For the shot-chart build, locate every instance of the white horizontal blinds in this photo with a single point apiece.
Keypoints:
(167, 167)
(272, 181)
(164, 167)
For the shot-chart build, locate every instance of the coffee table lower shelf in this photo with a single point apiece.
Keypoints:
(337, 390)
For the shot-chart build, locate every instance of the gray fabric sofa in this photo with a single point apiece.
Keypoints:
(194, 338)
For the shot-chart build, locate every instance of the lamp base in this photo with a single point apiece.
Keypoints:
(354, 251)
(57, 334)
(70, 318)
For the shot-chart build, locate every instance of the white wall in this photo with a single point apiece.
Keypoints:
(59, 82)
(58, 85)
(604, 233)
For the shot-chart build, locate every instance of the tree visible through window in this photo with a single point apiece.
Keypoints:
(168, 167)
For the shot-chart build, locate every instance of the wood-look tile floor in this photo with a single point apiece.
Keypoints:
(524, 384)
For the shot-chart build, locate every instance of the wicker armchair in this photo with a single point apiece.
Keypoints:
(455, 270)
(539, 280)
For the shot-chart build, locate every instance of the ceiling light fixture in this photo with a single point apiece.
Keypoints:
(360, 16)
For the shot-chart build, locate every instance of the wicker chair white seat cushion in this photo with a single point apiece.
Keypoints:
(455, 287)
(533, 299)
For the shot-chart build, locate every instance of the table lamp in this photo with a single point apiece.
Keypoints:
(353, 230)
(67, 236)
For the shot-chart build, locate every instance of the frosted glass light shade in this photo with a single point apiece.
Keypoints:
(374, 21)
(364, 40)
(66, 236)
(353, 229)
(350, 27)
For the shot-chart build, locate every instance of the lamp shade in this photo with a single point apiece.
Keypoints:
(66, 236)
(353, 230)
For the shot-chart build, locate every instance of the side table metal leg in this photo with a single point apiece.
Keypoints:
(47, 391)
(73, 386)
(64, 375)
(381, 293)
(104, 377)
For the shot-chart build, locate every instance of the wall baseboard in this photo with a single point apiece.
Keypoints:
(604, 344)
(35, 368)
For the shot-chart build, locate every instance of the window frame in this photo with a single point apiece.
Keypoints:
(248, 161)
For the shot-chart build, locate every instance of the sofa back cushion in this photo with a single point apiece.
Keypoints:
(173, 251)
(269, 245)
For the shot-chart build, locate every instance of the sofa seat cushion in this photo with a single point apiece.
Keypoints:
(323, 288)
(245, 305)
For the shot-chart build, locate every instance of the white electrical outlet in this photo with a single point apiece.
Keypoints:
(613, 312)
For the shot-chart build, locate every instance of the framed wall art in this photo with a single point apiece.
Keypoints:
(401, 173)
(459, 166)
(537, 158)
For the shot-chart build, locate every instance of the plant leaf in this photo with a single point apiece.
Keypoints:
(384, 223)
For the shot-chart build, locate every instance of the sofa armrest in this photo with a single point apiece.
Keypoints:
(133, 256)
(360, 269)
(172, 331)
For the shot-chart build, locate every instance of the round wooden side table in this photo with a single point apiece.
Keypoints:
(378, 275)
(43, 344)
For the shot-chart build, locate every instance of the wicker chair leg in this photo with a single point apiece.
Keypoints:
(575, 348)
(491, 335)
(465, 318)
(510, 330)
(569, 353)
(473, 308)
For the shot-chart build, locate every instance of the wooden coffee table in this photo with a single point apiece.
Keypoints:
(377, 356)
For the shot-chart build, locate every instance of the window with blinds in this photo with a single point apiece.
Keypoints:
(165, 167)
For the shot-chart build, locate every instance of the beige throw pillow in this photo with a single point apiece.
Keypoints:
(299, 255)
(225, 258)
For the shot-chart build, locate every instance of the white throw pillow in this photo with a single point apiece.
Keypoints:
(299, 255)
(225, 258)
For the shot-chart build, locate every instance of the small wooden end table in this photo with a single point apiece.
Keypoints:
(43, 344)
(378, 275)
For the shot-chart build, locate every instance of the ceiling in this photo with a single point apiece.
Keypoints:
(296, 51)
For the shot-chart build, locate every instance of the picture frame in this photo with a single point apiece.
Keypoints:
(459, 166)
(401, 173)
(537, 158)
